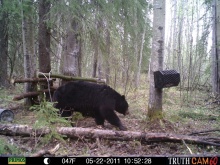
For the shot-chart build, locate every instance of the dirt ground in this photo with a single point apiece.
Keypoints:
(198, 114)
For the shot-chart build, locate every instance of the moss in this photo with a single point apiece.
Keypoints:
(155, 114)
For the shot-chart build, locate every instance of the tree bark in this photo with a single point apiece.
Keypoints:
(95, 58)
(96, 46)
(141, 52)
(157, 54)
(180, 44)
(190, 58)
(135, 40)
(216, 49)
(140, 58)
(72, 50)
(124, 40)
(174, 38)
(108, 54)
(44, 37)
(76, 132)
(28, 49)
(44, 43)
(3, 46)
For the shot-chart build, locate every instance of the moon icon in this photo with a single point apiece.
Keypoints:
(46, 161)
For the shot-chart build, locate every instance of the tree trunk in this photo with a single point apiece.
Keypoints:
(179, 45)
(44, 37)
(72, 50)
(80, 63)
(3, 46)
(28, 50)
(125, 59)
(169, 46)
(95, 58)
(59, 45)
(125, 62)
(174, 38)
(136, 56)
(141, 52)
(155, 97)
(44, 43)
(140, 58)
(216, 49)
(96, 47)
(190, 58)
(108, 54)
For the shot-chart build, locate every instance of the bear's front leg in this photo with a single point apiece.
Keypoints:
(112, 118)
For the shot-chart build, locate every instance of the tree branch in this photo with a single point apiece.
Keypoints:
(13, 81)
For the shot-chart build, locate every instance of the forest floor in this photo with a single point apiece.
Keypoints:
(183, 112)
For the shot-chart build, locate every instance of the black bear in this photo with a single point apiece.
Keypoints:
(90, 99)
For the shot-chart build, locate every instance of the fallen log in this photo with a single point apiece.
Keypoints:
(76, 132)
(71, 78)
(31, 94)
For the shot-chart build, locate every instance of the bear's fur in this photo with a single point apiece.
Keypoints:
(91, 99)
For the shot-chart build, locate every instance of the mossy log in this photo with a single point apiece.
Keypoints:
(71, 78)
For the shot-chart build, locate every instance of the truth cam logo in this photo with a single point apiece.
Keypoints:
(194, 161)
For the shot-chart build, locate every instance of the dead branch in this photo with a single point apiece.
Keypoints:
(14, 107)
(70, 78)
(76, 132)
(31, 94)
(31, 80)
(44, 152)
(205, 131)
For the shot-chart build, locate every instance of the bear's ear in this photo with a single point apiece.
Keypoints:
(123, 96)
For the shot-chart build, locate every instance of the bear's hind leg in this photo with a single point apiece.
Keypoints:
(99, 119)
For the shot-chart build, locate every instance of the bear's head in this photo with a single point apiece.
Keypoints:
(122, 105)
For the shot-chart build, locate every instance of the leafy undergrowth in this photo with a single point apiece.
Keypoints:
(194, 114)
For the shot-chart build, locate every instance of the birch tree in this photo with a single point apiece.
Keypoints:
(157, 53)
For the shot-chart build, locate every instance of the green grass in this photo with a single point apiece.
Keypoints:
(197, 115)
(6, 96)
(7, 148)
